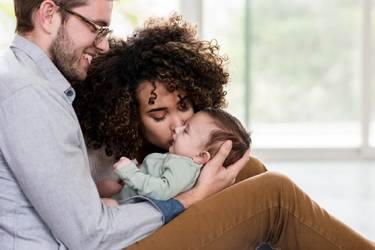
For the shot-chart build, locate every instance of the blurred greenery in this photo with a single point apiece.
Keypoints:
(7, 23)
(6, 8)
(125, 11)
(304, 57)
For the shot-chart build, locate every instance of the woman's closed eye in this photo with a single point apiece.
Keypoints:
(157, 115)
(158, 118)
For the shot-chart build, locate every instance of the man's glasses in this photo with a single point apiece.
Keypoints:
(102, 32)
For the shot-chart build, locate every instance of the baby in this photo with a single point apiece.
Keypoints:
(163, 176)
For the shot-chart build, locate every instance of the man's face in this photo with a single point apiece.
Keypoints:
(74, 45)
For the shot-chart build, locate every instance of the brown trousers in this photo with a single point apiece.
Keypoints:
(268, 207)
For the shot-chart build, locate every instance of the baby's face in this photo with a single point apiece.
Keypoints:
(190, 139)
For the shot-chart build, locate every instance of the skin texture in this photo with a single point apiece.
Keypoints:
(169, 111)
(191, 138)
(214, 177)
(70, 43)
(73, 54)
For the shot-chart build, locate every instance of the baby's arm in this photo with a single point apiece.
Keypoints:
(178, 176)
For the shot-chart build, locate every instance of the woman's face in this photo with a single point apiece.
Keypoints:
(161, 112)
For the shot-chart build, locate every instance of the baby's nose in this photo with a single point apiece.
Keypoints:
(178, 129)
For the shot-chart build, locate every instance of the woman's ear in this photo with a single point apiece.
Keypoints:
(202, 158)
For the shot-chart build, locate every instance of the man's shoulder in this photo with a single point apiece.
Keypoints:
(14, 76)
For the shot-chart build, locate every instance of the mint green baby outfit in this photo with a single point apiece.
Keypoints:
(160, 176)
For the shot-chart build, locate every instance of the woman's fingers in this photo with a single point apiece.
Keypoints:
(218, 160)
(214, 177)
(236, 167)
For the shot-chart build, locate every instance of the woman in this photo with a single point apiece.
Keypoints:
(165, 60)
(129, 105)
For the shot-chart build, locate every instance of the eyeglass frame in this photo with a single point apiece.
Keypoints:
(102, 31)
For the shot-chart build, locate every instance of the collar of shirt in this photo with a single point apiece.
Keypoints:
(45, 65)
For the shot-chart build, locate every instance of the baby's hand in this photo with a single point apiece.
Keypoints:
(123, 162)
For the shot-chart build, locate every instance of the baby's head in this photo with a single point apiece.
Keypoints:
(203, 134)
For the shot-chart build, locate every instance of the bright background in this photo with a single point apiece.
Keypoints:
(302, 80)
(301, 77)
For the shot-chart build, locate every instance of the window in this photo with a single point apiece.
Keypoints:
(131, 13)
(372, 122)
(7, 23)
(225, 22)
(127, 14)
(298, 71)
(302, 71)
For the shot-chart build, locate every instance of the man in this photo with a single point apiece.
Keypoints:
(48, 199)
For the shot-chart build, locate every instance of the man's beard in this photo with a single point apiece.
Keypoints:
(63, 56)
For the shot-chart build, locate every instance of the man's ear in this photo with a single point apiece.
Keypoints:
(202, 158)
(47, 18)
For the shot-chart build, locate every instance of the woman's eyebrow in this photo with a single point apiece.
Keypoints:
(156, 110)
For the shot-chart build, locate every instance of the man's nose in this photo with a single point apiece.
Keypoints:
(103, 46)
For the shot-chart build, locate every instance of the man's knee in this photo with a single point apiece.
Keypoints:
(269, 184)
(252, 168)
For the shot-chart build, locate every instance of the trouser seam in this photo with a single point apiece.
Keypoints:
(298, 218)
(310, 227)
(231, 228)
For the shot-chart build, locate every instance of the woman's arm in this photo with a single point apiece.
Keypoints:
(108, 188)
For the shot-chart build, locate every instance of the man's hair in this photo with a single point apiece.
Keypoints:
(229, 128)
(24, 10)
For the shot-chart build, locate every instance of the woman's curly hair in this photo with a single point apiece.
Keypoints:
(164, 50)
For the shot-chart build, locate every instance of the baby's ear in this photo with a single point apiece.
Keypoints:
(202, 158)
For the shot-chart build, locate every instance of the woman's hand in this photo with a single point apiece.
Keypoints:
(110, 202)
(107, 188)
(214, 177)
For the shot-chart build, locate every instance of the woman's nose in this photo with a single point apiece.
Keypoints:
(177, 122)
